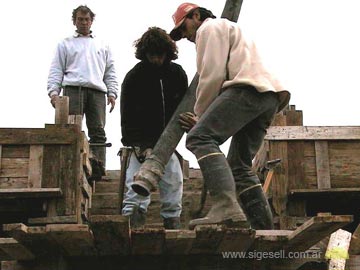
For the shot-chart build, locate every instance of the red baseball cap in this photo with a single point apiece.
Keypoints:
(179, 17)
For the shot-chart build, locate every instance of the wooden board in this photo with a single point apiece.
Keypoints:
(313, 133)
(75, 239)
(15, 250)
(179, 242)
(314, 230)
(112, 234)
(33, 136)
(18, 193)
(147, 241)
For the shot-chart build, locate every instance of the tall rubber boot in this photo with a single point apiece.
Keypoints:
(219, 180)
(257, 208)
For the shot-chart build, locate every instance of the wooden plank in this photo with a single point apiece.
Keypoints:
(17, 193)
(0, 155)
(14, 167)
(53, 220)
(15, 250)
(208, 238)
(296, 178)
(179, 242)
(322, 164)
(330, 193)
(75, 239)
(236, 239)
(15, 151)
(35, 165)
(23, 136)
(313, 133)
(337, 250)
(314, 230)
(270, 240)
(112, 234)
(62, 110)
(279, 184)
(147, 241)
(34, 238)
(13, 182)
(355, 242)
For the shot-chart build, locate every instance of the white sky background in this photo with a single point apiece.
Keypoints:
(311, 45)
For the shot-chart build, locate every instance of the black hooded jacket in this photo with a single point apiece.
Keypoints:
(149, 97)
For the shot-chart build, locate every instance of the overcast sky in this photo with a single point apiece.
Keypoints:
(311, 45)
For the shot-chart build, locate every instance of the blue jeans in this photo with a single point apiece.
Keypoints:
(244, 114)
(170, 187)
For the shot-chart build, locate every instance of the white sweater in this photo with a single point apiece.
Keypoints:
(83, 61)
(225, 58)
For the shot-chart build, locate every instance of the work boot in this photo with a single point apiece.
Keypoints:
(137, 218)
(219, 180)
(225, 210)
(172, 223)
(257, 208)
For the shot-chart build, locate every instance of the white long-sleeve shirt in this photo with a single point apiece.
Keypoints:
(83, 61)
(225, 58)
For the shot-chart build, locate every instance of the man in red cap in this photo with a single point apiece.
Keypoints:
(236, 97)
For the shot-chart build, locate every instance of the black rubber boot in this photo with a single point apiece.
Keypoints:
(99, 153)
(257, 208)
(221, 186)
(172, 223)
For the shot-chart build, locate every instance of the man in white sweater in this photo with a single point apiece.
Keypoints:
(84, 67)
(236, 97)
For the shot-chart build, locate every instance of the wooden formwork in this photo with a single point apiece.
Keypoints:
(42, 179)
(316, 163)
(109, 238)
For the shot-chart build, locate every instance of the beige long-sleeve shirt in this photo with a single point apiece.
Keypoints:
(225, 58)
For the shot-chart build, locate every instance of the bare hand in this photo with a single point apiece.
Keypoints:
(188, 120)
(111, 100)
(53, 100)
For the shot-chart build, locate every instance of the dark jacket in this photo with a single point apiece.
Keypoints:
(149, 97)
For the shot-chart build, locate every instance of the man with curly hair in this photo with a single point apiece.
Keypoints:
(84, 67)
(150, 93)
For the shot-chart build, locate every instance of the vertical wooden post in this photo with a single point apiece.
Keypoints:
(322, 164)
(35, 166)
(62, 110)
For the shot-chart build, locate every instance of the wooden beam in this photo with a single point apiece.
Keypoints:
(314, 230)
(147, 241)
(17, 193)
(322, 164)
(33, 136)
(15, 250)
(316, 193)
(236, 239)
(53, 220)
(355, 242)
(35, 166)
(75, 239)
(33, 238)
(112, 234)
(313, 133)
(179, 242)
(208, 238)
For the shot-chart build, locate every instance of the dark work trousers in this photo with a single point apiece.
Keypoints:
(92, 103)
(243, 113)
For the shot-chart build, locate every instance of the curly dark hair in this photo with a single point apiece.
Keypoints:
(84, 10)
(155, 41)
